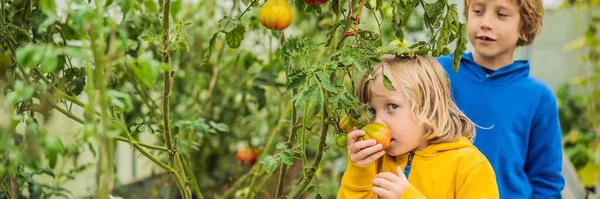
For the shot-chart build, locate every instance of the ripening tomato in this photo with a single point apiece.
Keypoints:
(346, 124)
(246, 155)
(378, 132)
(276, 14)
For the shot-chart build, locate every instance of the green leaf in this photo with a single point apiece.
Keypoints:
(108, 3)
(296, 79)
(399, 34)
(461, 46)
(269, 162)
(21, 93)
(139, 121)
(432, 10)
(453, 12)
(52, 156)
(35, 190)
(133, 128)
(125, 7)
(287, 158)
(300, 5)
(590, 174)
(305, 94)
(264, 159)
(235, 37)
(335, 98)
(228, 24)
(446, 51)
(50, 60)
(319, 196)
(311, 188)
(47, 172)
(259, 93)
(29, 55)
(151, 6)
(332, 30)
(335, 6)
(36, 18)
(92, 149)
(280, 145)
(176, 6)
(209, 51)
(145, 70)
(387, 83)
(246, 2)
(48, 6)
(219, 126)
(54, 146)
(328, 85)
(318, 103)
(120, 100)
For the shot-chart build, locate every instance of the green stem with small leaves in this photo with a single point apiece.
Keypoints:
(193, 180)
(303, 139)
(320, 151)
(292, 136)
(105, 169)
(258, 170)
(168, 74)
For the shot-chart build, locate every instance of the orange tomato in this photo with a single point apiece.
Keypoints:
(246, 155)
(378, 132)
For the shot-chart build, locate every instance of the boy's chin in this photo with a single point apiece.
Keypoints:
(486, 52)
(393, 151)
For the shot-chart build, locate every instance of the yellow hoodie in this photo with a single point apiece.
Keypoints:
(445, 170)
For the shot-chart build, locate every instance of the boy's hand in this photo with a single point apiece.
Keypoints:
(389, 185)
(363, 152)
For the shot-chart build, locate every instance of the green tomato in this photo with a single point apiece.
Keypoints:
(341, 140)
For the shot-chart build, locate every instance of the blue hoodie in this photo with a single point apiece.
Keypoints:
(517, 125)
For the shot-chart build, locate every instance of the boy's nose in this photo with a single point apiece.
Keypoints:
(378, 119)
(486, 23)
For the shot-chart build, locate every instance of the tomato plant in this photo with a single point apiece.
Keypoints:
(200, 79)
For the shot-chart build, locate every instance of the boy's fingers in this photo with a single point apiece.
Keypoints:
(371, 158)
(361, 152)
(383, 183)
(381, 192)
(353, 135)
(361, 145)
(388, 176)
(401, 174)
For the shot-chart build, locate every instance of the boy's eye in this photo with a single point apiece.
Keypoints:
(502, 14)
(372, 111)
(477, 11)
(392, 106)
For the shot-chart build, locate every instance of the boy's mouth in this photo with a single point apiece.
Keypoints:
(485, 38)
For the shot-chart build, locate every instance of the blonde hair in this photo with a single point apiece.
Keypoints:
(427, 89)
(532, 15)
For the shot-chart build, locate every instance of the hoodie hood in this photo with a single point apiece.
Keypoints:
(519, 69)
(435, 149)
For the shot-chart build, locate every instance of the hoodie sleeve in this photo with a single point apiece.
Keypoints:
(412, 193)
(479, 182)
(544, 155)
(357, 181)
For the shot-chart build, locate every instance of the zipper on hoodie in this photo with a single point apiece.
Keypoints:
(407, 167)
